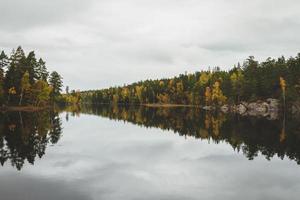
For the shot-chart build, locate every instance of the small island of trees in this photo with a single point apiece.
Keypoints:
(25, 82)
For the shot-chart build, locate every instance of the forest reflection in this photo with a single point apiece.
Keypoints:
(250, 135)
(24, 136)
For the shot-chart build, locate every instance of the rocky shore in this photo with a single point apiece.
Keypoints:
(268, 108)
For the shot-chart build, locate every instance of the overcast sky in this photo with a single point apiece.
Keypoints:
(101, 43)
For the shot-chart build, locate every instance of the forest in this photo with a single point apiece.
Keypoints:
(25, 81)
(250, 81)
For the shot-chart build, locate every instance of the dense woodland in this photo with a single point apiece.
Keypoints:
(25, 81)
(253, 80)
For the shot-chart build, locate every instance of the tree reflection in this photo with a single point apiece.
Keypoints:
(250, 135)
(24, 136)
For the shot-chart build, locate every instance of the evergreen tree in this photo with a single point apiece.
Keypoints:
(67, 89)
(32, 66)
(41, 71)
(3, 61)
(56, 83)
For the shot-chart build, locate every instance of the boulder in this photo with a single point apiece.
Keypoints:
(241, 108)
(273, 104)
(225, 108)
(208, 108)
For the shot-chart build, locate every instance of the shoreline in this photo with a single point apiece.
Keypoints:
(157, 105)
(22, 108)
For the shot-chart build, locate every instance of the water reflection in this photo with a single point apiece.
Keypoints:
(250, 135)
(98, 158)
(25, 136)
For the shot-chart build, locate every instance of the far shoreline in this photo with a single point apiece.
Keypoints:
(157, 105)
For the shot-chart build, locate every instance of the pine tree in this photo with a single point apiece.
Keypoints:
(237, 79)
(42, 72)
(32, 67)
(56, 83)
(3, 61)
(67, 89)
(16, 69)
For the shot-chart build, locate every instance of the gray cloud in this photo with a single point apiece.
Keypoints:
(17, 15)
(94, 43)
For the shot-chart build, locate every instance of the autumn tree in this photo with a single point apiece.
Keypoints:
(217, 94)
(163, 98)
(25, 86)
(180, 92)
(139, 93)
(40, 92)
(11, 91)
(207, 95)
(204, 78)
(125, 95)
(283, 87)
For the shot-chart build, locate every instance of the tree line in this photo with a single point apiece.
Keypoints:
(252, 80)
(25, 80)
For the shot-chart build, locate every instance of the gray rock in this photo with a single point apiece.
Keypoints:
(241, 108)
(208, 108)
(268, 108)
(225, 108)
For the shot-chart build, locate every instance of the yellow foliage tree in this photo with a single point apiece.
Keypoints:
(207, 95)
(217, 94)
(125, 93)
(163, 98)
(161, 83)
(25, 86)
(11, 91)
(115, 99)
(40, 92)
(139, 93)
(283, 87)
(204, 78)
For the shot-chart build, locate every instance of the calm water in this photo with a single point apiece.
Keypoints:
(147, 153)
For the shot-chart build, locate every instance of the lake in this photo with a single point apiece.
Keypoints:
(105, 152)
